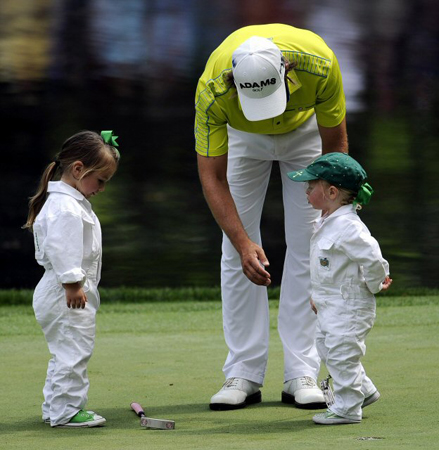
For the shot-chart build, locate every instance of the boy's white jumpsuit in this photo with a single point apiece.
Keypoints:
(68, 244)
(347, 268)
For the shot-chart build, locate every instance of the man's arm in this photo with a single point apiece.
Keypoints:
(213, 177)
(334, 139)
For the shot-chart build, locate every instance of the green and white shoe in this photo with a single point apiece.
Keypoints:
(97, 416)
(330, 418)
(84, 419)
(371, 399)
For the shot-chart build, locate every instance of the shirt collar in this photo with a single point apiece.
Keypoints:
(64, 188)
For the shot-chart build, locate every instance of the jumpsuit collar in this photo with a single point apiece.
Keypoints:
(64, 188)
(343, 210)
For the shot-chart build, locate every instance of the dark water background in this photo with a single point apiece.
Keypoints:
(133, 65)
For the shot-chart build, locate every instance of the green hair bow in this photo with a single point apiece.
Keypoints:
(364, 194)
(110, 139)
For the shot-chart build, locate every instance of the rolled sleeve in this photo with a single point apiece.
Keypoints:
(363, 249)
(64, 249)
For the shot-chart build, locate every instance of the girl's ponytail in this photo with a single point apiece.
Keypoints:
(37, 201)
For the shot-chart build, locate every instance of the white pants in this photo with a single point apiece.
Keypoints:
(343, 325)
(245, 305)
(70, 336)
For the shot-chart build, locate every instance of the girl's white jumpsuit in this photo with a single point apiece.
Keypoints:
(347, 268)
(68, 244)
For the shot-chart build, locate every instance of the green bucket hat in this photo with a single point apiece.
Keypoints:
(340, 170)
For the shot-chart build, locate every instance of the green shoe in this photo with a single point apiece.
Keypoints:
(84, 419)
(97, 416)
(330, 418)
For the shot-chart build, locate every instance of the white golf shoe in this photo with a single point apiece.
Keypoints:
(303, 393)
(236, 393)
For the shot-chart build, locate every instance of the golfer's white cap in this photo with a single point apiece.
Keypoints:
(259, 75)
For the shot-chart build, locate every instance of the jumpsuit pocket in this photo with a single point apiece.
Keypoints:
(365, 318)
(324, 260)
(49, 300)
(91, 239)
(38, 243)
(362, 305)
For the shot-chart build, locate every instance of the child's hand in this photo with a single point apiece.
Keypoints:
(386, 284)
(75, 296)
(313, 305)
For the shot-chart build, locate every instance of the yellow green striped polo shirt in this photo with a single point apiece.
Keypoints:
(317, 88)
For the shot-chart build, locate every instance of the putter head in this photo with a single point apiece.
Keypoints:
(157, 424)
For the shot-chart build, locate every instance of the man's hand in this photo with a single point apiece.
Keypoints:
(254, 262)
(75, 296)
(313, 305)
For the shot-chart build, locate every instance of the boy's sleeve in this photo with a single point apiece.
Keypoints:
(64, 246)
(331, 104)
(362, 248)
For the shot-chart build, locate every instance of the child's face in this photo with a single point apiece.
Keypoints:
(323, 196)
(316, 193)
(93, 183)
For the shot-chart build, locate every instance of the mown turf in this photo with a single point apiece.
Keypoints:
(168, 356)
(160, 295)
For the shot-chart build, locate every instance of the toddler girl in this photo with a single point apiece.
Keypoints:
(68, 244)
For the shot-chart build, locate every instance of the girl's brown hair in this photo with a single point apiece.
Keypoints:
(85, 146)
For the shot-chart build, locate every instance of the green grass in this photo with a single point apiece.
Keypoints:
(140, 295)
(168, 356)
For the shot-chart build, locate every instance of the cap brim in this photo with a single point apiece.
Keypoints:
(302, 175)
(255, 109)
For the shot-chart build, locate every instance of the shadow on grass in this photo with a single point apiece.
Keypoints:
(198, 419)
(196, 408)
(253, 428)
(191, 419)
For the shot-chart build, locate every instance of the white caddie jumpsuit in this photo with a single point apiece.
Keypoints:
(68, 244)
(347, 268)
(245, 305)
